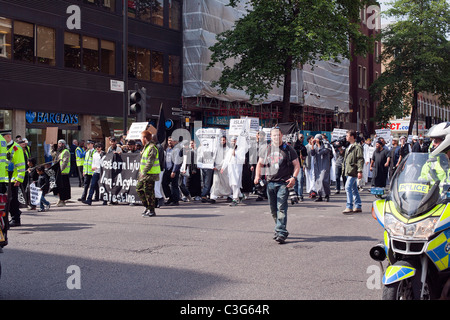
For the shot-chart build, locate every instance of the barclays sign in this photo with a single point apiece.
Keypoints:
(51, 118)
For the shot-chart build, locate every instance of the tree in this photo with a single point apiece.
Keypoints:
(416, 57)
(275, 37)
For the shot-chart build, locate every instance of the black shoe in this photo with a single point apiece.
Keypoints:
(212, 201)
(301, 199)
(81, 199)
(174, 204)
(151, 213)
(88, 202)
(229, 199)
(14, 223)
(168, 203)
(327, 198)
(204, 200)
(259, 199)
(280, 239)
(319, 199)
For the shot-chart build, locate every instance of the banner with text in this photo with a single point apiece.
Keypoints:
(119, 176)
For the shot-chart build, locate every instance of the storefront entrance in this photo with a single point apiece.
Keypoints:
(36, 141)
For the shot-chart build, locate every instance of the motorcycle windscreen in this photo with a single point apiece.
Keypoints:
(419, 183)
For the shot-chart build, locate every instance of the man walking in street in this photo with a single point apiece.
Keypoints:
(353, 168)
(148, 174)
(281, 166)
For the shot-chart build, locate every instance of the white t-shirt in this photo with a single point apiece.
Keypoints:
(96, 162)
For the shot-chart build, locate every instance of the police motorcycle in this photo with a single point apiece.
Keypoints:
(415, 216)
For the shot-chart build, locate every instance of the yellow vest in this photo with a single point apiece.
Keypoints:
(3, 160)
(156, 169)
(66, 169)
(80, 161)
(17, 157)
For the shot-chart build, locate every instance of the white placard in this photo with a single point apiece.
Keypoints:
(35, 195)
(134, 133)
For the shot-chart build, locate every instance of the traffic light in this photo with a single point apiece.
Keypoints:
(137, 104)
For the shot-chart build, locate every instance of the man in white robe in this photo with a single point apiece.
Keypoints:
(234, 161)
(221, 185)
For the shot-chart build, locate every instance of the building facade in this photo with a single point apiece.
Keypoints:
(55, 73)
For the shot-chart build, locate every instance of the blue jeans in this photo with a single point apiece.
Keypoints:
(94, 185)
(299, 182)
(351, 187)
(278, 196)
(207, 176)
(43, 202)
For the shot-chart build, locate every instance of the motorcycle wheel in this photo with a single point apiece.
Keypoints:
(404, 290)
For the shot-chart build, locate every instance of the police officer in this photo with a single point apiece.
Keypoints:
(148, 174)
(87, 169)
(3, 183)
(16, 156)
(79, 158)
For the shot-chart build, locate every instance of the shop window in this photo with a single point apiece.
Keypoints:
(174, 70)
(157, 66)
(175, 14)
(23, 41)
(45, 46)
(90, 54)
(72, 50)
(143, 64)
(108, 57)
(5, 38)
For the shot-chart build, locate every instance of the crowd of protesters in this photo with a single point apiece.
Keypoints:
(182, 177)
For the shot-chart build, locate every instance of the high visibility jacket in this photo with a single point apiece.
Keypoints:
(87, 166)
(79, 156)
(66, 170)
(16, 156)
(155, 169)
(3, 160)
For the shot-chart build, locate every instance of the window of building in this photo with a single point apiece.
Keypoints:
(91, 54)
(360, 75)
(5, 38)
(72, 50)
(23, 41)
(364, 78)
(174, 70)
(157, 71)
(45, 45)
(108, 57)
(151, 11)
(143, 64)
(109, 5)
(132, 62)
(377, 51)
(175, 14)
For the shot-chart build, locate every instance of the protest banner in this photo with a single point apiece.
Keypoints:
(118, 177)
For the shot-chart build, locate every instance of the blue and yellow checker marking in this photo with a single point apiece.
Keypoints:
(438, 250)
(397, 273)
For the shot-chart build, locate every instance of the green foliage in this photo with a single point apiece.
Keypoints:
(277, 36)
(416, 55)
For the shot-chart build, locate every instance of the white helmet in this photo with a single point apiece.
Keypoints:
(441, 130)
